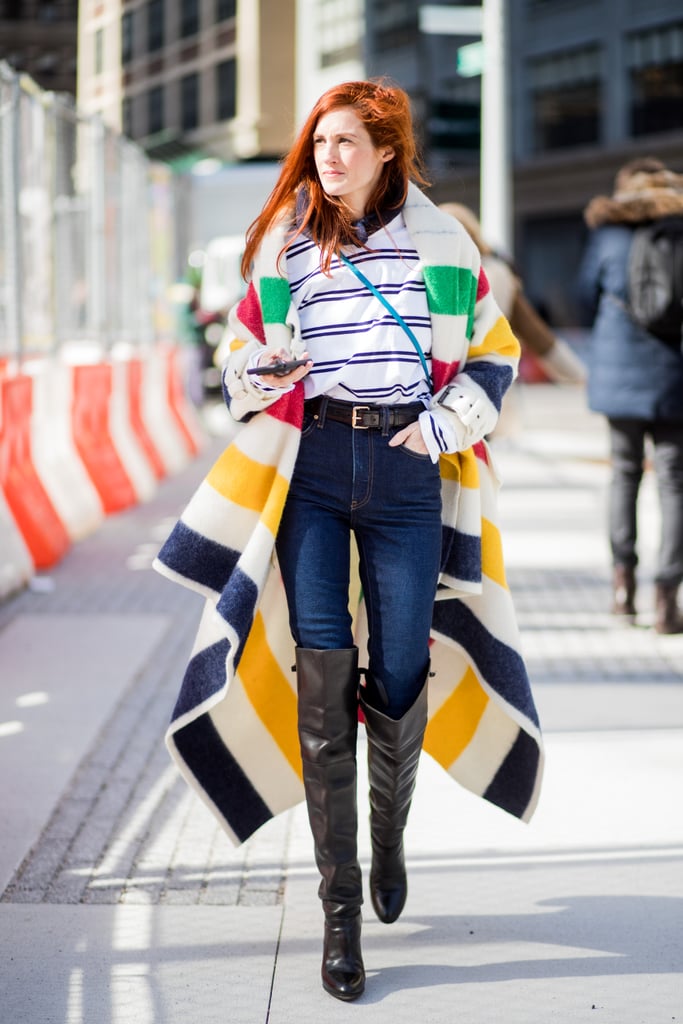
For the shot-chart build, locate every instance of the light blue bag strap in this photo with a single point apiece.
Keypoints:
(396, 315)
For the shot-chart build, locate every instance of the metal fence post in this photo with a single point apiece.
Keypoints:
(9, 192)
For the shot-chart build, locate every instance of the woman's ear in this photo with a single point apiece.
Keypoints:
(388, 154)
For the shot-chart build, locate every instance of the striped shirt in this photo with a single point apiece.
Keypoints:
(360, 353)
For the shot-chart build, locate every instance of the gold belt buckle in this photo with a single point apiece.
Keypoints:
(356, 409)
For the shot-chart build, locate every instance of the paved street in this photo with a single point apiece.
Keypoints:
(123, 903)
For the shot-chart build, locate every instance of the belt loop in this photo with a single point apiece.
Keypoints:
(385, 413)
(322, 411)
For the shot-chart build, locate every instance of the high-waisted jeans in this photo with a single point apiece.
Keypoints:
(627, 438)
(345, 481)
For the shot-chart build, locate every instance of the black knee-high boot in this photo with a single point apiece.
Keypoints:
(393, 755)
(327, 684)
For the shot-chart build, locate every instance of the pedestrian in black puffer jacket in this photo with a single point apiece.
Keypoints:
(636, 381)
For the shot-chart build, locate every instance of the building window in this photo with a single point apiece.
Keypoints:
(226, 90)
(189, 102)
(395, 24)
(99, 51)
(155, 110)
(566, 99)
(340, 31)
(225, 9)
(189, 18)
(155, 25)
(127, 116)
(655, 61)
(127, 37)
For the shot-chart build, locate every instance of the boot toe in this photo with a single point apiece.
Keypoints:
(388, 903)
(344, 984)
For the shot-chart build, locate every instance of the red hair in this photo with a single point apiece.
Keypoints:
(384, 110)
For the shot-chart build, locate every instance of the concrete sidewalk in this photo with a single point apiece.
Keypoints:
(122, 901)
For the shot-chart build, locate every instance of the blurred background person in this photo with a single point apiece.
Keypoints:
(556, 358)
(200, 331)
(636, 369)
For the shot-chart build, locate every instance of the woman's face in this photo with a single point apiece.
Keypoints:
(348, 164)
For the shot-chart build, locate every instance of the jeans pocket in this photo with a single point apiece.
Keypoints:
(309, 424)
(420, 456)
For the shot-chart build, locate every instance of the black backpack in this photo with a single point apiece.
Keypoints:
(655, 278)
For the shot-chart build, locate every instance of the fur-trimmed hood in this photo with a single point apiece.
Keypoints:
(647, 196)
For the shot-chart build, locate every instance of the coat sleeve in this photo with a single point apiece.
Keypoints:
(243, 396)
(467, 408)
(588, 286)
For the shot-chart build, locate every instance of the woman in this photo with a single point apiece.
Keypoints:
(352, 442)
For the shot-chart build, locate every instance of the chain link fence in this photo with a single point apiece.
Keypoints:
(87, 229)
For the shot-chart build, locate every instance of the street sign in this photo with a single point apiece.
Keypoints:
(471, 59)
(451, 20)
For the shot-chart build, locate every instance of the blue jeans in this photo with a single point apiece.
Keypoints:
(627, 442)
(351, 480)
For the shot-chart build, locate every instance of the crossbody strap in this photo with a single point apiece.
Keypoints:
(396, 315)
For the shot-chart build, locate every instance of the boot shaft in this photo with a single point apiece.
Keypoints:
(327, 683)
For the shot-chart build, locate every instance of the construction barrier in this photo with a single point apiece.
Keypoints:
(92, 386)
(42, 529)
(138, 468)
(55, 457)
(178, 402)
(135, 370)
(168, 432)
(16, 564)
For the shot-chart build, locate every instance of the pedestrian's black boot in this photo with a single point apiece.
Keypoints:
(624, 591)
(668, 616)
(393, 755)
(327, 683)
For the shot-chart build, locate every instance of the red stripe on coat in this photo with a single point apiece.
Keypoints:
(483, 286)
(249, 313)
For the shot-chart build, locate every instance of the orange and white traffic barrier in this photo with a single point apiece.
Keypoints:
(16, 564)
(92, 389)
(161, 422)
(55, 457)
(44, 533)
(135, 371)
(138, 467)
(179, 403)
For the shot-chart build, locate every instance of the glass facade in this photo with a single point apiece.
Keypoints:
(155, 110)
(189, 18)
(189, 102)
(566, 99)
(340, 31)
(226, 90)
(155, 25)
(655, 62)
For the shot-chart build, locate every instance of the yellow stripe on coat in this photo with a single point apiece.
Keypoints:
(271, 696)
(492, 564)
(251, 484)
(499, 340)
(451, 728)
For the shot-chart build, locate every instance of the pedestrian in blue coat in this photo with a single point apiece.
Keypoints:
(636, 381)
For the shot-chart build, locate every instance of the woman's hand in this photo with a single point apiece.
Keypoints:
(276, 380)
(411, 437)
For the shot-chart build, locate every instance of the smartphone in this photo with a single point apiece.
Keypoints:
(279, 369)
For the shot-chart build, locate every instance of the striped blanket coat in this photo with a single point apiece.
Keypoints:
(233, 732)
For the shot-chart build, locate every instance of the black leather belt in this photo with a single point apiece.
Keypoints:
(364, 417)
